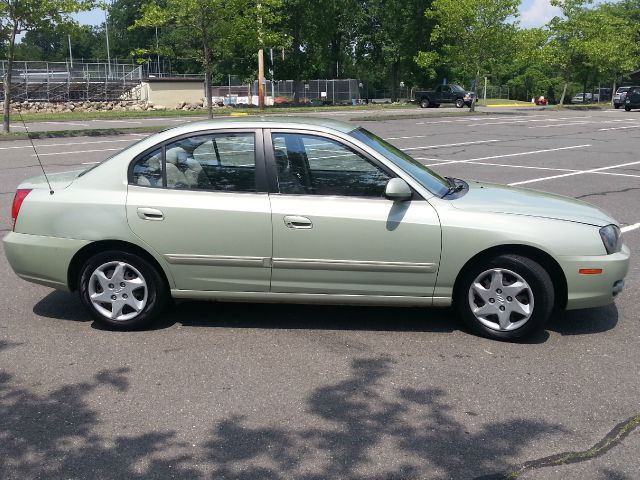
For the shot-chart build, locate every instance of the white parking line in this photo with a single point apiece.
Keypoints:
(89, 163)
(78, 151)
(475, 118)
(618, 128)
(117, 121)
(68, 123)
(534, 152)
(581, 172)
(528, 120)
(562, 124)
(449, 145)
(64, 144)
(549, 168)
(629, 228)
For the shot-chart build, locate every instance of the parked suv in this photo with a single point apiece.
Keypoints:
(632, 98)
(451, 93)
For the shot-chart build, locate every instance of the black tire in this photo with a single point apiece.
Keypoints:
(459, 102)
(534, 275)
(425, 103)
(437, 105)
(627, 108)
(156, 290)
(616, 106)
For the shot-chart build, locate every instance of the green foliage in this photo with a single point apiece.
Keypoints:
(17, 16)
(380, 42)
(472, 36)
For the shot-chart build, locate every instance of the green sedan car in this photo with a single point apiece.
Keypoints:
(308, 211)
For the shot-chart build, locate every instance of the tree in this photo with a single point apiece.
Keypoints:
(390, 35)
(473, 35)
(593, 42)
(18, 16)
(218, 26)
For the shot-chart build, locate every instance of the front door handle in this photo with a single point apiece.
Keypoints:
(294, 221)
(152, 214)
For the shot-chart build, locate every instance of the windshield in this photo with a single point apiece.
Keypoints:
(424, 175)
(457, 88)
(623, 89)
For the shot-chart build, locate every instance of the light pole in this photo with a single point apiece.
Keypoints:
(157, 51)
(106, 32)
(260, 61)
(70, 53)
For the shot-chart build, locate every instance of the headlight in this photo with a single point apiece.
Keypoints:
(611, 238)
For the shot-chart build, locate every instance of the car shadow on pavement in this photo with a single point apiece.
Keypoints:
(584, 322)
(63, 306)
(345, 426)
(322, 317)
(67, 306)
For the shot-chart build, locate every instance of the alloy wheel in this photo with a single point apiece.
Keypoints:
(501, 299)
(118, 291)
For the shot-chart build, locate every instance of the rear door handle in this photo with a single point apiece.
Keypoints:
(294, 221)
(152, 214)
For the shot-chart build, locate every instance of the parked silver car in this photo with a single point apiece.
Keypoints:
(313, 211)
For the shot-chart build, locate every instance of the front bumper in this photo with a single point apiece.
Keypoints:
(586, 291)
(42, 260)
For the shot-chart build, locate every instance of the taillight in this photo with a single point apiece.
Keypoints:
(21, 194)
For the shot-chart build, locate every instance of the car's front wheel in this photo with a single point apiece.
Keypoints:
(121, 290)
(459, 103)
(627, 108)
(505, 298)
(425, 103)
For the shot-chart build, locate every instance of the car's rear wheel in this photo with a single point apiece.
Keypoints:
(616, 106)
(505, 298)
(121, 290)
(425, 103)
(459, 102)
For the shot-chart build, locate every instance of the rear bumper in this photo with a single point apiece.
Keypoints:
(42, 260)
(586, 291)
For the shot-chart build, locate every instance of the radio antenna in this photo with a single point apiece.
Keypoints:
(34, 149)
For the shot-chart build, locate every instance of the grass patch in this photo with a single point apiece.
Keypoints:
(498, 101)
(217, 112)
(424, 114)
(87, 132)
(589, 106)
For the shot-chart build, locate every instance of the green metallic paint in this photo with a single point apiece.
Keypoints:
(443, 232)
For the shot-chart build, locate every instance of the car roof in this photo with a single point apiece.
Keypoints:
(268, 121)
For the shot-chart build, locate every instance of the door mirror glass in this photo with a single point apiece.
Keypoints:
(398, 189)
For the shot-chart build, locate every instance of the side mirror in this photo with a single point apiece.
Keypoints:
(398, 189)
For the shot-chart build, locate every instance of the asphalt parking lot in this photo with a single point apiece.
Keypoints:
(232, 391)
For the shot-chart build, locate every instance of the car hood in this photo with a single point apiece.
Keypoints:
(58, 180)
(488, 197)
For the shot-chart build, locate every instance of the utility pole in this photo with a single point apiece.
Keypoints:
(273, 75)
(70, 54)
(260, 61)
(158, 51)
(106, 32)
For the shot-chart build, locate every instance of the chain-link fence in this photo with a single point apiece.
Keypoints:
(494, 91)
(64, 81)
(314, 92)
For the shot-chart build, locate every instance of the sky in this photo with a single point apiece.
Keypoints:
(533, 13)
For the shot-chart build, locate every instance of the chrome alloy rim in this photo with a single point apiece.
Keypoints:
(501, 299)
(118, 291)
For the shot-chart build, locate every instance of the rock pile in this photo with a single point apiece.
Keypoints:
(81, 106)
